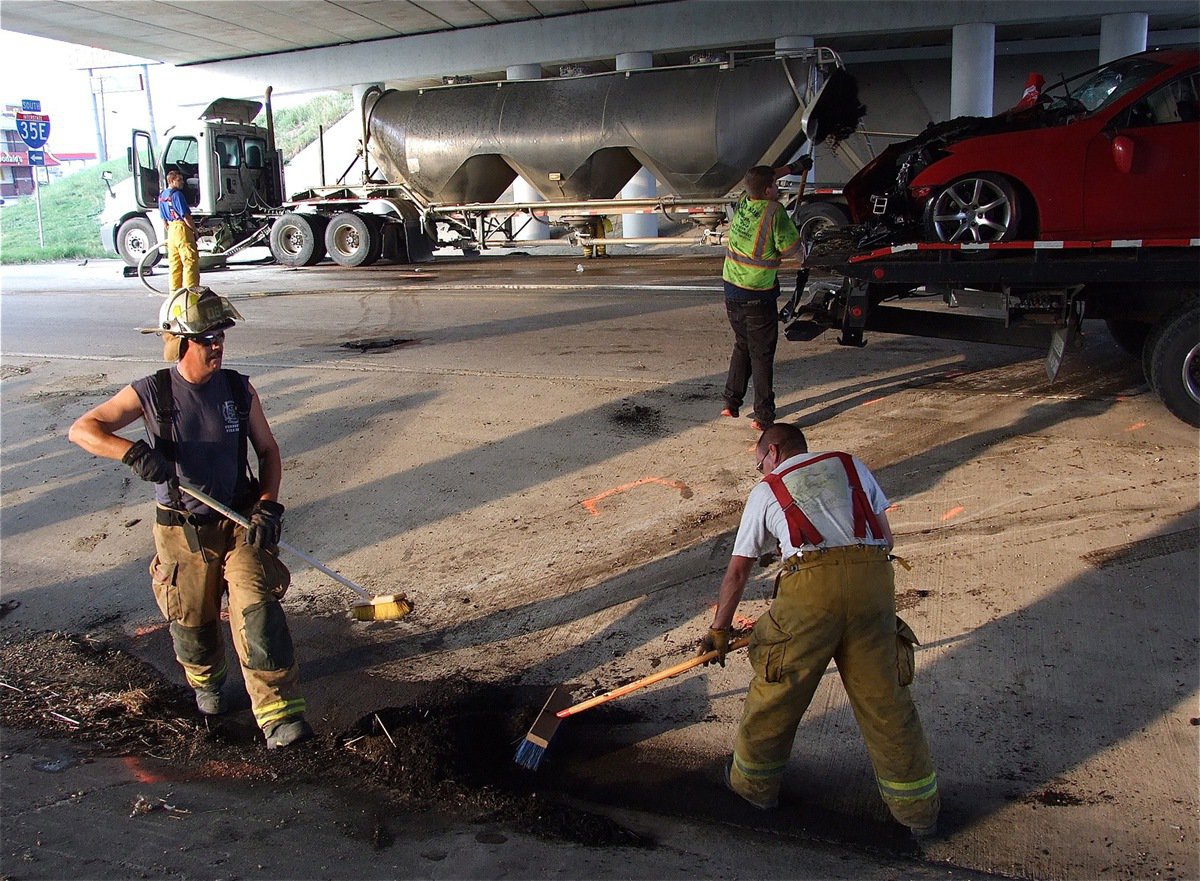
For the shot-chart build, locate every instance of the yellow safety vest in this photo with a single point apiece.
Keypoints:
(760, 234)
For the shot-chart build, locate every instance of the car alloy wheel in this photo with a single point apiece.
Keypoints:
(978, 208)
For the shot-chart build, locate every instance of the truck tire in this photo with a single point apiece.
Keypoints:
(1175, 364)
(298, 239)
(816, 217)
(1129, 335)
(354, 239)
(134, 238)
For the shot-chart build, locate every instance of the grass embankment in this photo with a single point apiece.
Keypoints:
(70, 218)
(71, 206)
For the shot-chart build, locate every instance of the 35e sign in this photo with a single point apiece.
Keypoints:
(34, 129)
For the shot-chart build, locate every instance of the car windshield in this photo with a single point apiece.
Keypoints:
(1097, 89)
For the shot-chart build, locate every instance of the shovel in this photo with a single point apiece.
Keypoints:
(371, 608)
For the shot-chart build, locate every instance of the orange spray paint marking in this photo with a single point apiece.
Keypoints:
(139, 772)
(591, 504)
(1136, 426)
(147, 629)
(870, 402)
(952, 513)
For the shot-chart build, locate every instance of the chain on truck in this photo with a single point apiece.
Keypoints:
(433, 162)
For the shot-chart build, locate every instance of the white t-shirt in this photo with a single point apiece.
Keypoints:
(822, 492)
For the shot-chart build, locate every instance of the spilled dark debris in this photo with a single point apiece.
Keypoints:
(451, 755)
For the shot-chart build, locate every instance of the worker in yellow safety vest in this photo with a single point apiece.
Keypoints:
(761, 234)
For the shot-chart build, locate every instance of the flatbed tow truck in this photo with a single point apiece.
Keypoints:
(1022, 293)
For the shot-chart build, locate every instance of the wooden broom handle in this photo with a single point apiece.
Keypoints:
(681, 667)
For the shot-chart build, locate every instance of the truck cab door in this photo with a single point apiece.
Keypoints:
(182, 154)
(146, 182)
(258, 173)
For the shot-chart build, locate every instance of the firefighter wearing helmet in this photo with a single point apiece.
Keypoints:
(200, 420)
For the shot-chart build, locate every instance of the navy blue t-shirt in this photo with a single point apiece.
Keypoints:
(205, 430)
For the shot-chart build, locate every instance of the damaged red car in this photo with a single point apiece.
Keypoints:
(1113, 153)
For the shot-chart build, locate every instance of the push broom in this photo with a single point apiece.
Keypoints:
(391, 607)
(558, 706)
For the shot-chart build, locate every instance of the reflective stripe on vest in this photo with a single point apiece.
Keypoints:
(763, 237)
(801, 530)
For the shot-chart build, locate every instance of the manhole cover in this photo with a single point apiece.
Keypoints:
(380, 345)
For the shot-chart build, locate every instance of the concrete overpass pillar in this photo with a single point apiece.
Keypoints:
(1122, 34)
(972, 69)
(642, 185)
(522, 190)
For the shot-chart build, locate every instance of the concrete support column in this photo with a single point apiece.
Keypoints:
(522, 190)
(972, 69)
(1122, 34)
(642, 185)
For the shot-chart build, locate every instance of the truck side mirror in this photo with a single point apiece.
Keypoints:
(106, 176)
(1122, 153)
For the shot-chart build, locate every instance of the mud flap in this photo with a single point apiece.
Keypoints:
(1066, 336)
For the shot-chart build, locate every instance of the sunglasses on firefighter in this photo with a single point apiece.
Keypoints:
(208, 340)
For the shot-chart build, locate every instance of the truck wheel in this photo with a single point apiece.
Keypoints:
(134, 238)
(298, 239)
(354, 239)
(1129, 335)
(814, 218)
(980, 207)
(1175, 364)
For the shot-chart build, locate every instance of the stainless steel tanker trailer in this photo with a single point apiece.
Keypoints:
(436, 160)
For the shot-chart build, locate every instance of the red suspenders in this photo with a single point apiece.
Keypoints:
(801, 530)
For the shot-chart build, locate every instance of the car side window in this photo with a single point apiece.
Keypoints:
(1177, 101)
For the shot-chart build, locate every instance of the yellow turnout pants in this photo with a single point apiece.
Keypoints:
(837, 604)
(188, 586)
(182, 256)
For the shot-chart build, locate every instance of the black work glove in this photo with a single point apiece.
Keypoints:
(266, 523)
(148, 463)
(803, 165)
(716, 640)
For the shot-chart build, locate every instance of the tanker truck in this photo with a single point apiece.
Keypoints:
(435, 160)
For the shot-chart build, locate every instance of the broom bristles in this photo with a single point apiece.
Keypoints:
(384, 608)
(529, 755)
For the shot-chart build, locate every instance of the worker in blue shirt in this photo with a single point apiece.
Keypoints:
(181, 234)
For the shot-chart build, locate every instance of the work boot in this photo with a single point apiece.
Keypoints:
(210, 701)
(761, 805)
(923, 833)
(291, 730)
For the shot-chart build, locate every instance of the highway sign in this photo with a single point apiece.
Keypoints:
(34, 129)
(37, 157)
(31, 105)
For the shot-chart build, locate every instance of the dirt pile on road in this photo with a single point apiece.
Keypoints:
(452, 754)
